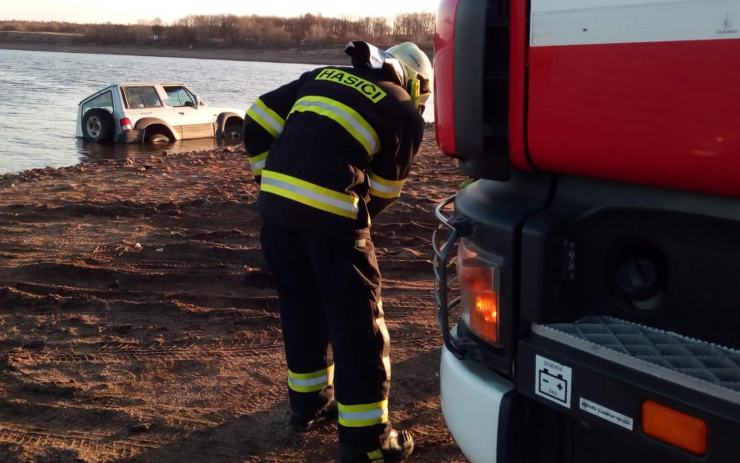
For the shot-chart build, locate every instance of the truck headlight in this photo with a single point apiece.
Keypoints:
(480, 279)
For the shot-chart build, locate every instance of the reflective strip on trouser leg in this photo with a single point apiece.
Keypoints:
(257, 163)
(384, 188)
(363, 415)
(266, 118)
(311, 382)
(348, 118)
(310, 194)
(380, 321)
(376, 456)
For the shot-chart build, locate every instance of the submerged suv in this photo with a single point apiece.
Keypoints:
(147, 112)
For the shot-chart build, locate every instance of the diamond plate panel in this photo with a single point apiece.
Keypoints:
(698, 359)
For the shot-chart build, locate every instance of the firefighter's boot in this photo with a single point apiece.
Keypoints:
(395, 446)
(301, 424)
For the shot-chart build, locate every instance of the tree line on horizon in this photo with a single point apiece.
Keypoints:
(246, 31)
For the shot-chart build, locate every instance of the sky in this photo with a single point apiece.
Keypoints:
(129, 11)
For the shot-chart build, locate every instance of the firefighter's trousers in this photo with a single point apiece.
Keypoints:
(329, 290)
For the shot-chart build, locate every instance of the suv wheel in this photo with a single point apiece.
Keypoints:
(233, 132)
(98, 125)
(156, 135)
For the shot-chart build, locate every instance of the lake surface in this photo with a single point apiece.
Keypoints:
(39, 93)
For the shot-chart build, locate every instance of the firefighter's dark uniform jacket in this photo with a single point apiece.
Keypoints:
(333, 148)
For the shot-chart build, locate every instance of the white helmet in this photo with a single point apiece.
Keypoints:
(417, 69)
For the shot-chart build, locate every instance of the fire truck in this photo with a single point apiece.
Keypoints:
(588, 276)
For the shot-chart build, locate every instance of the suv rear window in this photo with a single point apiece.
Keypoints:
(104, 101)
(141, 97)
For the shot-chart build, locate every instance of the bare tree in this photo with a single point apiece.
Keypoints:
(257, 31)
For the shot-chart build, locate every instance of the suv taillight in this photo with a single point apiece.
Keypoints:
(479, 274)
(126, 124)
(444, 74)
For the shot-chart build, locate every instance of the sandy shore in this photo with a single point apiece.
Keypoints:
(308, 56)
(136, 326)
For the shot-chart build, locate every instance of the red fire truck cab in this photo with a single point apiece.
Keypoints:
(587, 280)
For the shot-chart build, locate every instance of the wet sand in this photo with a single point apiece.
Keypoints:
(136, 325)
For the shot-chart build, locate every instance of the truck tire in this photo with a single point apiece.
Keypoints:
(98, 125)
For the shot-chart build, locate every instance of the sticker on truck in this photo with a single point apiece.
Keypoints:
(607, 414)
(553, 381)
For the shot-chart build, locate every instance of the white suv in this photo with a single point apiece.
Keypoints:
(146, 112)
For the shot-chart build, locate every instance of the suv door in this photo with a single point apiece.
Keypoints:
(196, 123)
(145, 101)
(102, 100)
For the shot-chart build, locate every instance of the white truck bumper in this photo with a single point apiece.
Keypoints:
(471, 402)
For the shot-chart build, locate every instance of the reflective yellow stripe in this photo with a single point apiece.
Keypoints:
(311, 382)
(266, 118)
(312, 195)
(363, 415)
(384, 188)
(376, 456)
(257, 163)
(348, 118)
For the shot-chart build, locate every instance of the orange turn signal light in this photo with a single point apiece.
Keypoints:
(673, 427)
(480, 275)
(484, 316)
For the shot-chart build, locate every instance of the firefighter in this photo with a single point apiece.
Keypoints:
(331, 150)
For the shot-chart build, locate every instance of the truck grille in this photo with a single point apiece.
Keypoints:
(496, 78)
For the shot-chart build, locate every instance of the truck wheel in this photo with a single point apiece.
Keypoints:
(98, 125)
(156, 135)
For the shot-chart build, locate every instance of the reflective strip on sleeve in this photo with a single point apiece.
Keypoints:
(310, 194)
(348, 118)
(360, 416)
(257, 163)
(383, 188)
(266, 118)
(311, 382)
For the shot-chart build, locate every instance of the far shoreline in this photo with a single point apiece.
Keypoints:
(293, 55)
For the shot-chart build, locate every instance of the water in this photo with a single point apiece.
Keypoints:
(39, 93)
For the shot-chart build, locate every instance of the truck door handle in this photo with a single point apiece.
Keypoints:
(182, 114)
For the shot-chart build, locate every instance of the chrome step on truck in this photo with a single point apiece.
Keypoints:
(699, 365)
